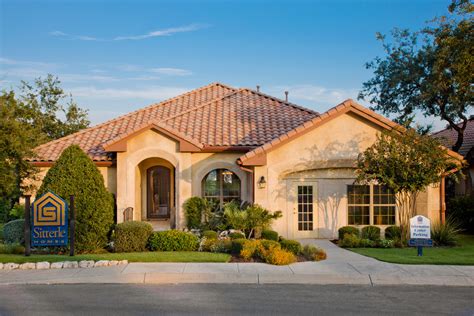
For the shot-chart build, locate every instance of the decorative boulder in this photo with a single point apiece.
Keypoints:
(86, 264)
(101, 263)
(113, 262)
(123, 262)
(70, 264)
(57, 265)
(27, 266)
(44, 265)
(10, 266)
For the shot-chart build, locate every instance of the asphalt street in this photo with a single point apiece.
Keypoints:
(234, 299)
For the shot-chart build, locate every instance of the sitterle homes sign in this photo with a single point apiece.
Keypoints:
(49, 223)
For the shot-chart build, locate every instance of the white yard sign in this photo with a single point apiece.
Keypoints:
(420, 227)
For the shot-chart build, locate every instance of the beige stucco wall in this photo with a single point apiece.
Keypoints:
(324, 156)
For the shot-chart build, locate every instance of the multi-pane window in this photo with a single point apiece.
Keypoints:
(370, 205)
(221, 186)
(305, 207)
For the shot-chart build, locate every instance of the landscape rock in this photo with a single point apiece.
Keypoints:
(113, 262)
(101, 263)
(1, 266)
(44, 265)
(27, 266)
(70, 264)
(10, 266)
(86, 264)
(123, 262)
(57, 265)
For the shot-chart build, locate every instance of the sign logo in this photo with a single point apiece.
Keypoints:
(50, 214)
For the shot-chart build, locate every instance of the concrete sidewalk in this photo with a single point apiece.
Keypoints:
(342, 267)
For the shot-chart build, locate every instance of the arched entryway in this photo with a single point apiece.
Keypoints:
(159, 193)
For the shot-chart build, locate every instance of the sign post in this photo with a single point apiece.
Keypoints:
(27, 225)
(420, 233)
(72, 225)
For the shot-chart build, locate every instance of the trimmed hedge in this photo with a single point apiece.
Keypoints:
(14, 232)
(236, 236)
(237, 245)
(209, 234)
(371, 233)
(292, 246)
(393, 232)
(348, 230)
(132, 236)
(193, 210)
(173, 240)
(74, 173)
(270, 235)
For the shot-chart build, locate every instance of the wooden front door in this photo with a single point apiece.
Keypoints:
(158, 192)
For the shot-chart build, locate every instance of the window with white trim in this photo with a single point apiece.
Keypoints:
(370, 205)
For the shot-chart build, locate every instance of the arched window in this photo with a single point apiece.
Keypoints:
(221, 186)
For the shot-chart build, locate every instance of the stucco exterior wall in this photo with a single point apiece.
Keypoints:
(326, 157)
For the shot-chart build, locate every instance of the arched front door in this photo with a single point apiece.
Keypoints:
(158, 192)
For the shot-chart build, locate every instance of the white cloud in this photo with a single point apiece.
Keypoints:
(144, 78)
(156, 33)
(155, 93)
(164, 32)
(171, 71)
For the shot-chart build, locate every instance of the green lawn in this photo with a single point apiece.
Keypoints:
(460, 255)
(157, 256)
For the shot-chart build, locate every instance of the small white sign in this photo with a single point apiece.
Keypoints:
(420, 227)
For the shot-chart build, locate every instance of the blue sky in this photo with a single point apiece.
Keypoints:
(118, 56)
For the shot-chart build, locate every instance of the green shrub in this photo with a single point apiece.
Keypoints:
(313, 253)
(217, 245)
(209, 234)
(1, 231)
(371, 232)
(366, 243)
(385, 243)
(348, 230)
(445, 234)
(237, 245)
(292, 246)
(14, 249)
(393, 232)
(14, 232)
(349, 241)
(236, 235)
(74, 173)
(194, 208)
(132, 236)
(461, 210)
(270, 235)
(173, 240)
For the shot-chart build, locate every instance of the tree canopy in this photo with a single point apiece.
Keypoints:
(430, 71)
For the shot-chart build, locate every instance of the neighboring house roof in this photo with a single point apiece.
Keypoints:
(212, 117)
(257, 156)
(448, 137)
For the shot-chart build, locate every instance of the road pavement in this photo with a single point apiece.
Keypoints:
(234, 299)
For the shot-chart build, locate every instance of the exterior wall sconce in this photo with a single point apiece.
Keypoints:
(262, 183)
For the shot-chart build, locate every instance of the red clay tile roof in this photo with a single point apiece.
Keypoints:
(449, 136)
(214, 115)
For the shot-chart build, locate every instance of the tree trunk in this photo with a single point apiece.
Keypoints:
(406, 203)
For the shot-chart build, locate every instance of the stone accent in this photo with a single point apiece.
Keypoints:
(86, 264)
(57, 265)
(1, 266)
(113, 262)
(10, 266)
(70, 264)
(27, 266)
(42, 265)
(123, 262)
(101, 263)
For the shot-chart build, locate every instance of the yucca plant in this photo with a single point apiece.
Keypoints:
(445, 234)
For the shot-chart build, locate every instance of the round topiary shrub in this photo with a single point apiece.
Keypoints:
(348, 230)
(74, 173)
(132, 236)
(393, 232)
(237, 245)
(236, 235)
(173, 240)
(14, 232)
(371, 233)
(270, 235)
(291, 245)
(209, 234)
